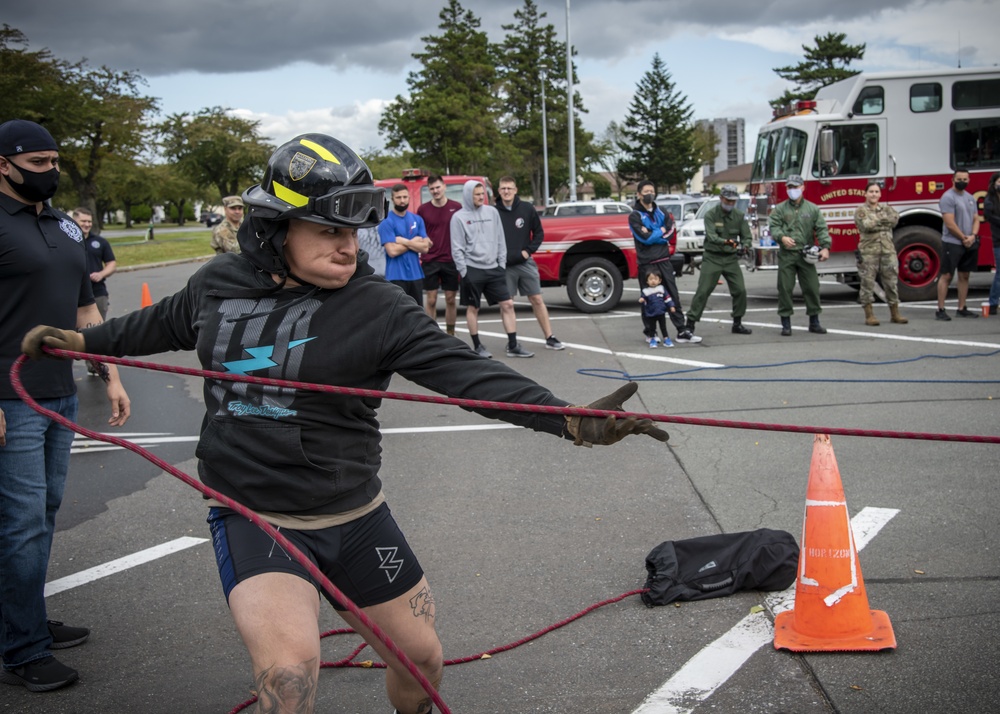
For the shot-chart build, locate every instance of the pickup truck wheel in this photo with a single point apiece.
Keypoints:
(919, 251)
(595, 285)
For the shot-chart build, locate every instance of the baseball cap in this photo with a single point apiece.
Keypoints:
(20, 136)
(729, 192)
(232, 201)
(794, 180)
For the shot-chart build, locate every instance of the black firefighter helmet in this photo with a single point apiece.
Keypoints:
(315, 178)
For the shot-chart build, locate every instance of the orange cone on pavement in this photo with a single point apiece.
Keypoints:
(146, 299)
(831, 606)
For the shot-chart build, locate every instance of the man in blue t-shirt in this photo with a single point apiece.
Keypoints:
(404, 238)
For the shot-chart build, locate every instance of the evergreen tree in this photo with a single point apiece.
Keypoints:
(449, 117)
(824, 64)
(528, 47)
(659, 140)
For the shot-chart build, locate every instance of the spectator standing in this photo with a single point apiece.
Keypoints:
(877, 253)
(522, 229)
(656, 304)
(224, 235)
(369, 242)
(309, 462)
(100, 259)
(655, 235)
(404, 239)
(799, 227)
(960, 244)
(439, 268)
(43, 277)
(991, 211)
(727, 237)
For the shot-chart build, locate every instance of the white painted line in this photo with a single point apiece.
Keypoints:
(711, 667)
(117, 566)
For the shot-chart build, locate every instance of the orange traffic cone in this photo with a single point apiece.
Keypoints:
(831, 606)
(146, 299)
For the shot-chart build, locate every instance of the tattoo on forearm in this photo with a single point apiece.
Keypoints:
(422, 604)
(286, 689)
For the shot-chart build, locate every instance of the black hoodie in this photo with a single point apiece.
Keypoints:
(294, 451)
(522, 228)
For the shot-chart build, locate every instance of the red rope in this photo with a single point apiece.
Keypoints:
(531, 408)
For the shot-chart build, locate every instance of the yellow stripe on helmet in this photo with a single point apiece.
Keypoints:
(323, 152)
(289, 196)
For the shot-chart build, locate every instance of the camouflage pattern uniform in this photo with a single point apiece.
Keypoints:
(877, 251)
(224, 238)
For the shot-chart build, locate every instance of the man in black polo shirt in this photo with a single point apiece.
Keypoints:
(43, 279)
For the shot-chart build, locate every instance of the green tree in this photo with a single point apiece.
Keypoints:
(126, 183)
(659, 139)
(92, 113)
(706, 143)
(213, 148)
(387, 165)
(449, 117)
(610, 156)
(824, 64)
(528, 47)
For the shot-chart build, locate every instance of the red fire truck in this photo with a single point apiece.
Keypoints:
(911, 131)
(592, 255)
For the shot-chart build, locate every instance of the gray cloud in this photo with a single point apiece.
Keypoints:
(194, 35)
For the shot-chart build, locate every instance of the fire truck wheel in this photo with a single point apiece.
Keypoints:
(594, 285)
(919, 251)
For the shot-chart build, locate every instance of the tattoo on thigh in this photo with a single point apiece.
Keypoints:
(422, 604)
(286, 689)
(425, 707)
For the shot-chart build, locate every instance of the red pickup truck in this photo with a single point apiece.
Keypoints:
(591, 255)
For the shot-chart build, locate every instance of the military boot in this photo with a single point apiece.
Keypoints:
(896, 317)
(739, 328)
(786, 327)
(870, 318)
(814, 325)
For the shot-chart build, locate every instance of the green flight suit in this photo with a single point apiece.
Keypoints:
(719, 259)
(804, 224)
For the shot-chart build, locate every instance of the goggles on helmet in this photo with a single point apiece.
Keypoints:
(346, 205)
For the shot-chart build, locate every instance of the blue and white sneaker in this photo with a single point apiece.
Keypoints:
(653, 343)
(667, 342)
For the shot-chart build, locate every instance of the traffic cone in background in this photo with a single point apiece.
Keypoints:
(146, 299)
(831, 606)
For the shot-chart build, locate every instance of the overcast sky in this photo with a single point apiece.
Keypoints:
(317, 65)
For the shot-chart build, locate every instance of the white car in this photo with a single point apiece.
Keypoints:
(587, 208)
(681, 206)
(691, 234)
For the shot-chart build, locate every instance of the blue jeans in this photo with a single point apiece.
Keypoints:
(33, 468)
(995, 287)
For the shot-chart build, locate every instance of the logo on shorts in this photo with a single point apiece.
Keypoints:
(71, 229)
(390, 563)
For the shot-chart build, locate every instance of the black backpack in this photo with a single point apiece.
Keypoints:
(718, 565)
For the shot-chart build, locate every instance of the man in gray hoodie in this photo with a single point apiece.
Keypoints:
(479, 250)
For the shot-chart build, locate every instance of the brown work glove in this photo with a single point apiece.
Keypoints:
(41, 335)
(588, 431)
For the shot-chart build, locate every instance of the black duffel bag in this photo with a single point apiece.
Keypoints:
(719, 565)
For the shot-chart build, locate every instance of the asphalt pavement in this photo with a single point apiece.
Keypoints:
(518, 530)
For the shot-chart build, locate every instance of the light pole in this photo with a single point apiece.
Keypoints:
(543, 70)
(569, 104)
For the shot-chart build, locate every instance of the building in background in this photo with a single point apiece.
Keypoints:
(731, 145)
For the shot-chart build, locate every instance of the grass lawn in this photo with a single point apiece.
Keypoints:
(167, 246)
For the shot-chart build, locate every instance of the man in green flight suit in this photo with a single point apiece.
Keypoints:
(797, 225)
(727, 237)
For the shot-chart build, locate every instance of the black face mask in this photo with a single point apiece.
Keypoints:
(647, 199)
(960, 185)
(36, 187)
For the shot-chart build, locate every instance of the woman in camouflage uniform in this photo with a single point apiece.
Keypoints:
(877, 253)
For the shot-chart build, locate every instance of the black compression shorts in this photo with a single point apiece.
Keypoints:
(368, 559)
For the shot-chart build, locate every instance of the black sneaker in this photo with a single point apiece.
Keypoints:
(518, 351)
(687, 336)
(64, 636)
(965, 312)
(740, 329)
(552, 343)
(942, 315)
(42, 675)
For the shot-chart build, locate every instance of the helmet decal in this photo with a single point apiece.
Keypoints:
(323, 152)
(300, 165)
